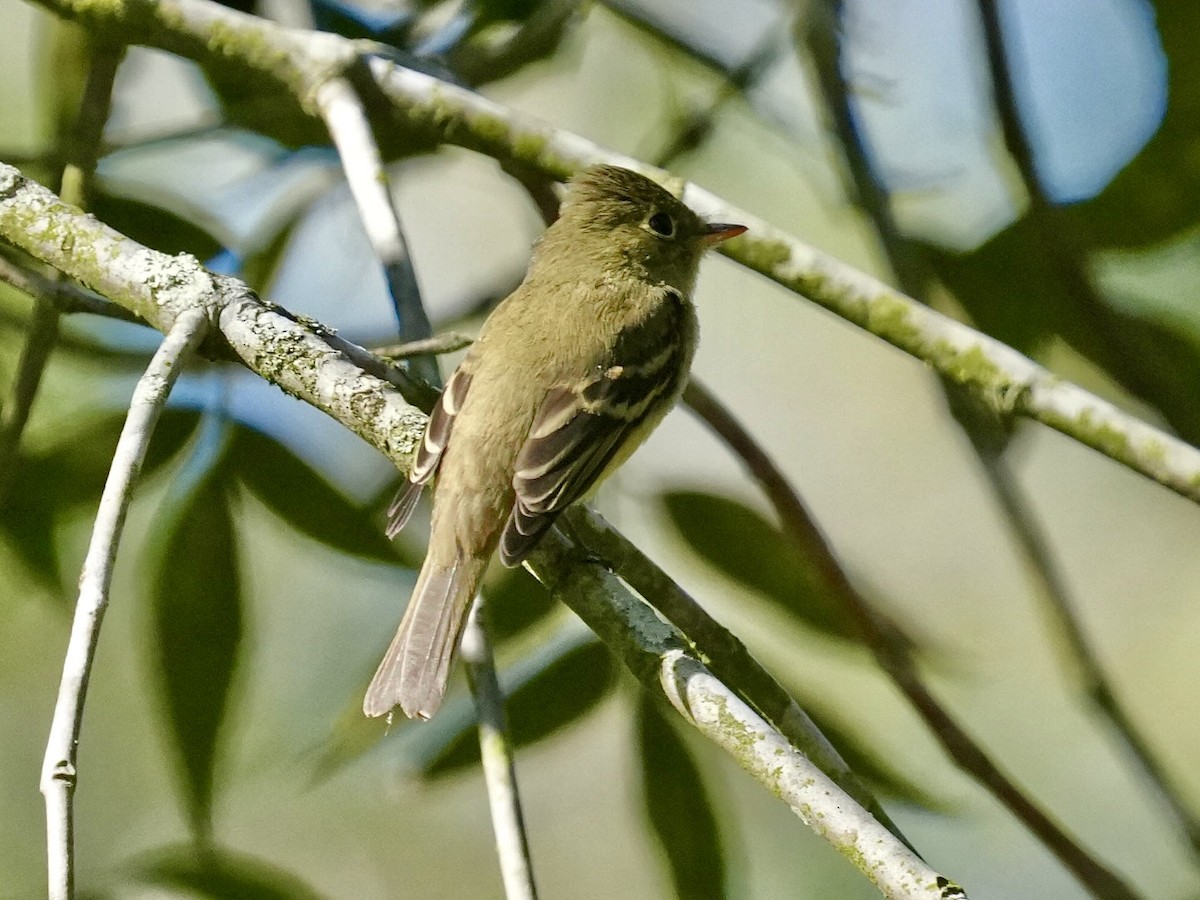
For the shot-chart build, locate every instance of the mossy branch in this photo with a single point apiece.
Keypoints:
(300, 61)
(301, 358)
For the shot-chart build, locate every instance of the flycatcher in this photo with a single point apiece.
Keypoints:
(569, 375)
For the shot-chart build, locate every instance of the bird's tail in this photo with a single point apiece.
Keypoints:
(416, 666)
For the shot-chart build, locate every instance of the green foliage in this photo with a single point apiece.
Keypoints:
(557, 695)
(1157, 195)
(304, 499)
(155, 226)
(49, 484)
(745, 547)
(515, 602)
(196, 606)
(678, 808)
(220, 874)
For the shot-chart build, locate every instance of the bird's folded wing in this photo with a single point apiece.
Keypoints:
(579, 428)
(429, 454)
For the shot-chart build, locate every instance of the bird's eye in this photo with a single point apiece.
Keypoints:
(661, 224)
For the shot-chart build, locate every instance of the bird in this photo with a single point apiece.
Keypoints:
(568, 376)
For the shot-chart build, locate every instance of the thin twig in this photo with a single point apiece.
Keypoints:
(295, 355)
(658, 654)
(1011, 384)
(66, 297)
(499, 771)
(891, 653)
(448, 342)
(59, 772)
(1063, 252)
(346, 120)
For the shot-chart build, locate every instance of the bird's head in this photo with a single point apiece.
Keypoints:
(612, 214)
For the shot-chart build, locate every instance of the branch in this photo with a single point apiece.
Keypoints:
(892, 653)
(65, 297)
(658, 655)
(1008, 382)
(59, 773)
(1065, 254)
(499, 771)
(305, 362)
(347, 122)
(299, 358)
(448, 342)
(726, 655)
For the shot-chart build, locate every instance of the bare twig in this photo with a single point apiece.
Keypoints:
(1008, 382)
(449, 342)
(892, 654)
(499, 772)
(66, 297)
(346, 120)
(59, 772)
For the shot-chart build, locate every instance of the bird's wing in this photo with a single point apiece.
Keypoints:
(429, 454)
(580, 427)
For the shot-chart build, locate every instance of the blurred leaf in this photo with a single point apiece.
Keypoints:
(678, 807)
(1159, 363)
(1007, 287)
(1157, 194)
(507, 10)
(1015, 291)
(197, 618)
(154, 226)
(72, 474)
(352, 736)
(27, 525)
(515, 601)
(261, 265)
(561, 693)
(304, 499)
(222, 875)
(745, 547)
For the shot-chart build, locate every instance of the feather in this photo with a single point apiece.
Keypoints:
(415, 669)
(429, 454)
(579, 429)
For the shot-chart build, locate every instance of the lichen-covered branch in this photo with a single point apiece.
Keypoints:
(658, 654)
(301, 358)
(59, 769)
(1010, 383)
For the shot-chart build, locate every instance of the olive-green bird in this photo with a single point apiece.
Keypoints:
(569, 375)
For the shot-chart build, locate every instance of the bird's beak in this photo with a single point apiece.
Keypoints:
(715, 232)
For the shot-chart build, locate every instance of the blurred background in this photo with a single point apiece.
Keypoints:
(1029, 167)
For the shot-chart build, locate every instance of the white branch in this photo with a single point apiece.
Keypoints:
(658, 654)
(59, 772)
(499, 770)
(728, 721)
(301, 60)
(347, 123)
